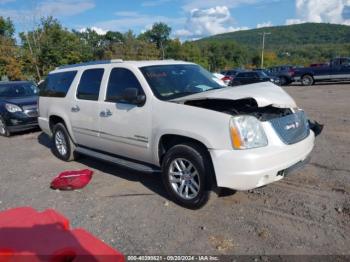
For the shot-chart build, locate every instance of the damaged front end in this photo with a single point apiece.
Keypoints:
(283, 119)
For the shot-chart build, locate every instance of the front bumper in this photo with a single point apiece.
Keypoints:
(20, 122)
(249, 169)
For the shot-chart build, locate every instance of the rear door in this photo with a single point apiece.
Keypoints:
(84, 108)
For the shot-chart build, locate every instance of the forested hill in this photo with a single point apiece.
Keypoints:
(291, 35)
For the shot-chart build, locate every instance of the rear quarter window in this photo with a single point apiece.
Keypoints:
(57, 85)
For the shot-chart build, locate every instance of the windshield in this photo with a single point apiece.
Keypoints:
(12, 90)
(174, 81)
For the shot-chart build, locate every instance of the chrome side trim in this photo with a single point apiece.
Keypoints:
(116, 160)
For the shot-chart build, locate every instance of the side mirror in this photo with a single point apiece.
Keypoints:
(132, 96)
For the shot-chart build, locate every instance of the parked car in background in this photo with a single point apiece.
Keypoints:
(273, 79)
(319, 65)
(229, 75)
(18, 107)
(220, 78)
(284, 73)
(250, 77)
(337, 70)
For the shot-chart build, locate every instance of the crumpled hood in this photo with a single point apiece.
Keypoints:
(265, 94)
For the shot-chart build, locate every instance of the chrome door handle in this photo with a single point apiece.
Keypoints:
(106, 113)
(75, 109)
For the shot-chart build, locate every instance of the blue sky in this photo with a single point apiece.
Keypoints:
(189, 18)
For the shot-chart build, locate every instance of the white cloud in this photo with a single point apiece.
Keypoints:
(133, 20)
(98, 30)
(202, 4)
(320, 11)
(60, 8)
(6, 1)
(57, 8)
(204, 22)
(265, 24)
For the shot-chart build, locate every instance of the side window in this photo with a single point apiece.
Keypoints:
(252, 75)
(89, 86)
(57, 85)
(119, 80)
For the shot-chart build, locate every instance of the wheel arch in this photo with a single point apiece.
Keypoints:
(57, 118)
(167, 141)
(308, 74)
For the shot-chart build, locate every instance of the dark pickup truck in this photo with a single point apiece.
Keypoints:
(337, 70)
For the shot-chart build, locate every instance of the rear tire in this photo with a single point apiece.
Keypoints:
(186, 175)
(307, 80)
(4, 131)
(63, 146)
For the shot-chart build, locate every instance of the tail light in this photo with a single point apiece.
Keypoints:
(227, 78)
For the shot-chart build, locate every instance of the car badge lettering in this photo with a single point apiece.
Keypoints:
(294, 125)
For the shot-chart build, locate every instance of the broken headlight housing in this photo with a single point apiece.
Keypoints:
(247, 132)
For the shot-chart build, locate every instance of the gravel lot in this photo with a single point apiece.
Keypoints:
(306, 213)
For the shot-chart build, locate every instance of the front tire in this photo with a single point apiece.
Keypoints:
(63, 146)
(4, 131)
(185, 175)
(307, 80)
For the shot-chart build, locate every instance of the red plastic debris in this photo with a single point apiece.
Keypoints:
(71, 180)
(28, 235)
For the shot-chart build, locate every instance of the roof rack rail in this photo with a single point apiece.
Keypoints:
(100, 62)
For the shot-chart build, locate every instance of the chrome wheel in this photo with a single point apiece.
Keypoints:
(307, 81)
(184, 178)
(2, 127)
(60, 142)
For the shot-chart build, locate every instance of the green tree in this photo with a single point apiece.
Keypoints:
(158, 34)
(10, 63)
(50, 45)
(7, 28)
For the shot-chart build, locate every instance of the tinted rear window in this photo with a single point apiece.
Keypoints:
(57, 85)
(89, 86)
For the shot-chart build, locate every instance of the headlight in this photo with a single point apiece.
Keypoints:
(13, 108)
(247, 132)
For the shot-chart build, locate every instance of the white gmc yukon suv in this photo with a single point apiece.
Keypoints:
(175, 117)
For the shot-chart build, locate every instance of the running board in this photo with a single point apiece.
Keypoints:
(118, 161)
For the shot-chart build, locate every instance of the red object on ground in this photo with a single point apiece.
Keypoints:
(28, 235)
(71, 180)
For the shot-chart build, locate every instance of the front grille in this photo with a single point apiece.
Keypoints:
(31, 111)
(292, 128)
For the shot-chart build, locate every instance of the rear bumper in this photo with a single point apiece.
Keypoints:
(249, 169)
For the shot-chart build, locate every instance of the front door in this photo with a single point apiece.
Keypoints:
(84, 108)
(125, 129)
